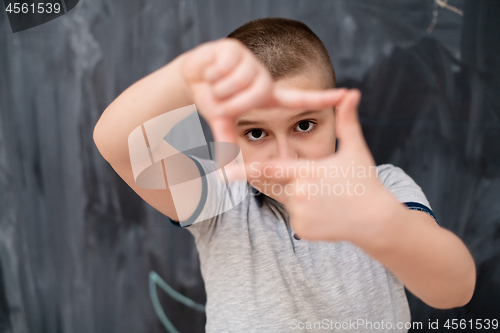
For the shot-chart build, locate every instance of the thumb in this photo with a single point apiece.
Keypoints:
(223, 129)
(348, 127)
(222, 126)
(224, 132)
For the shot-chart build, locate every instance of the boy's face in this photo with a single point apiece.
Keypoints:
(279, 133)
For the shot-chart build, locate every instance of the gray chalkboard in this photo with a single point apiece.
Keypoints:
(77, 245)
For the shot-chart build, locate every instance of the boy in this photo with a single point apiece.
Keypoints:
(286, 257)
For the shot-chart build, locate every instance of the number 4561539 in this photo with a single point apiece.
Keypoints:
(471, 324)
(41, 8)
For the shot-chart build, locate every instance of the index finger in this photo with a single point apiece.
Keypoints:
(278, 171)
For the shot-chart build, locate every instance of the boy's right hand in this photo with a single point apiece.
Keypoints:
(225, 79)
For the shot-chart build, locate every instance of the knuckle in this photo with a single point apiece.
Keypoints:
(229, 87)
(240, 81)
(217, 90)
(232, 45)
(236, 43)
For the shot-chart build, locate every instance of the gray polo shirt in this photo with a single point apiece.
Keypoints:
(260, 278)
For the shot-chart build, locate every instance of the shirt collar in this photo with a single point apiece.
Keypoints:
(259, 196)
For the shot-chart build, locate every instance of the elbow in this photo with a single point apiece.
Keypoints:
(467, 290)
(96, 134)
(458, 296)
(456, 301)
(460, 290)
(452, 302)
(98, 138)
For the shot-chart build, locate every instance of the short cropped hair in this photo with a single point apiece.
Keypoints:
(286, 47)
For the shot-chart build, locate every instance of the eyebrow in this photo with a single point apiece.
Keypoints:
(245, 122)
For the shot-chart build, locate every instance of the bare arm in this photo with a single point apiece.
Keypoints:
(432, 262)
(224, 79)
(159, 92)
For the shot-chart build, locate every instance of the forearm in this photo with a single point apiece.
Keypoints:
(432, 262)
(159, 92)
(135, 123)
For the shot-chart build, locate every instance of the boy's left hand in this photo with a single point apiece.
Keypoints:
(431, 262)
(336, 198)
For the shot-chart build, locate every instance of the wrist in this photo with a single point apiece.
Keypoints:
(378, 233)
(183, 82)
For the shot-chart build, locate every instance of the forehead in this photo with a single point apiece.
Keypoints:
(306, 80)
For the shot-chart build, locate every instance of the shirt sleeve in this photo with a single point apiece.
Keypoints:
(404, 188)
(217, 196)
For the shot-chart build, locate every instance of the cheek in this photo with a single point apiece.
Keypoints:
(249, 151)
(320, 144)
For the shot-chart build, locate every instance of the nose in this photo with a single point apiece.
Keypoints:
(285, 149)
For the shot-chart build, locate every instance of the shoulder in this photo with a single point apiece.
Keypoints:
(400, 184)
(390, 174)
(404, 188)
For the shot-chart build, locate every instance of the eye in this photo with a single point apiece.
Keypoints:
(255, 134)
(305, 126)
